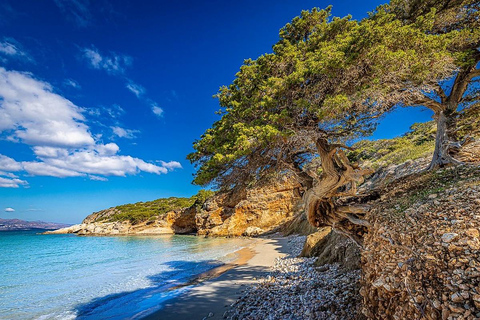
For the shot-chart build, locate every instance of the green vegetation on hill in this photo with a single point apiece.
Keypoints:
(151, 210)
(417, 143)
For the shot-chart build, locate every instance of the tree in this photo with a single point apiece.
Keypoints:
(460, 20)
(324, 83)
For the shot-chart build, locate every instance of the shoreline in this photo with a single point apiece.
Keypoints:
(242, 257)
(214, 291)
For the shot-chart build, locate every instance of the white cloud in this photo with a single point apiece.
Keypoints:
(114, 64)
(9, 210)
(102, 160)
(13, 49)
(171, 165)
(124, 133)
(97, 178)
(31, 112)
(12, 183)
(76, 10)
(44, 169)
(54, 127)
(8, 164)
(8, 49)
(115, 111)
(72, 83)
(157, 110)
(137, 89)
(8, 174)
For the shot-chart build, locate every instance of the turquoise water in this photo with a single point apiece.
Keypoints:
(72, 277)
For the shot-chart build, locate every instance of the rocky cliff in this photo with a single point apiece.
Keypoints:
(247, 212)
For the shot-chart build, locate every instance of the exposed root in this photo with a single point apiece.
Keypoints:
(324, 203)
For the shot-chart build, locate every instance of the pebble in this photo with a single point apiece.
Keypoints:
(449, 237)
(296, 289)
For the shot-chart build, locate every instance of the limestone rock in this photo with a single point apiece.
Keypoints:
(330, 247)
(248, 212)
(262, 208)
(314, 241)
(253, 231)
(449, 237)
(421, 249)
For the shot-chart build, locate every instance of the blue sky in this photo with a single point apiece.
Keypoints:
(100, 101)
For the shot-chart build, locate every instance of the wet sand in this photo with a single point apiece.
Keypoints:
(216, 290)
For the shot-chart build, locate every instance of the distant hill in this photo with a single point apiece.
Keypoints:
(17, 224)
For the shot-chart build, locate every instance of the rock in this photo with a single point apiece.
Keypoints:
(314, 240)
(428, 255)
(474, 233)
(249, 212)
(265, 207)
(457, 297)
(449, 237)
(336, 248)
(380, 282)
(253, 231)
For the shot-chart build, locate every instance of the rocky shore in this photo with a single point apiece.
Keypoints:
(246, 212)
(296, 289)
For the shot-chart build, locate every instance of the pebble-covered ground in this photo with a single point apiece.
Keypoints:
(296, 289)
(422, 253)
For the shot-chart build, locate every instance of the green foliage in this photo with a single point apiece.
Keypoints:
(419, 142)
(328, 78)
(151, 210)
(469, 122)
(143, 211)
(202, 196)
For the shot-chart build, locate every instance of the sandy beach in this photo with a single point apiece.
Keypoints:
(211, 298)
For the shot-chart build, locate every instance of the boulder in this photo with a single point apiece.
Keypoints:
(332, 247)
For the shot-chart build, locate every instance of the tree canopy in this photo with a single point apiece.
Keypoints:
(328, 81)
(459, 20)
(327, 77)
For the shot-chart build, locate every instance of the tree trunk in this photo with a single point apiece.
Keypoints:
(339, 179)
(446, 144)
(440, 154)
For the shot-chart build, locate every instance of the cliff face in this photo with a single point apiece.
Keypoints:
(248, 212)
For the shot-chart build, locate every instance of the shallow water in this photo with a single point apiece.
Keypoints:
(72, 277)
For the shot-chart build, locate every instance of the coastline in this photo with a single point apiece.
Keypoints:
(216, 290)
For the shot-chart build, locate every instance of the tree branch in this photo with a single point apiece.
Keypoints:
(460, 85)
(339, 145)
(475, 73)
(428, 102)
(441, 93)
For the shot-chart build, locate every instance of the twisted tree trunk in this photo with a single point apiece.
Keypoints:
(445, 115)
(444, 141)
(339, 179)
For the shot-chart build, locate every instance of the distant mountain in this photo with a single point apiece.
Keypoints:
(17, 224)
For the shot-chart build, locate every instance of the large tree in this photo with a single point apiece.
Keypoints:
(328, 80)
(460, 20)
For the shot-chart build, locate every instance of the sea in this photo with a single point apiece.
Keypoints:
(122, 277)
